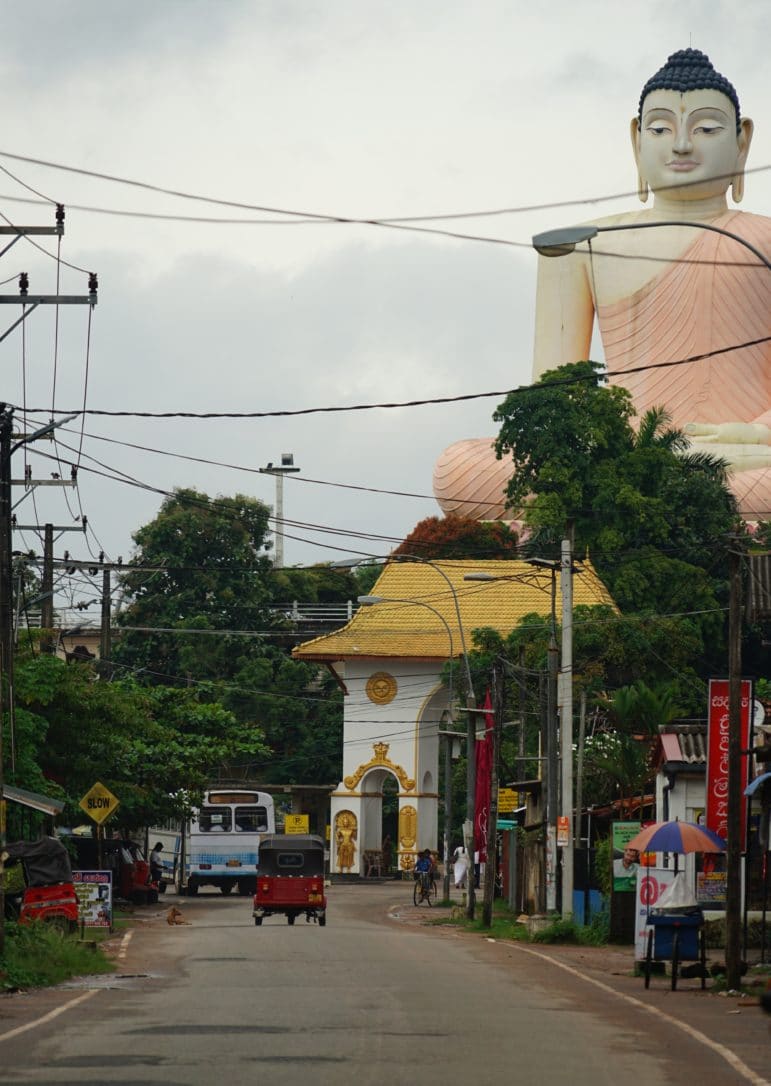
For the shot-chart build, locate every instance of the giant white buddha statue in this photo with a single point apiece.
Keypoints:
(664, 294)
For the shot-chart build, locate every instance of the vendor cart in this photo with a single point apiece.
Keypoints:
(676, 937)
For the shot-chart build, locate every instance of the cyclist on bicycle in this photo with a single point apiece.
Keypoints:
(424, 868)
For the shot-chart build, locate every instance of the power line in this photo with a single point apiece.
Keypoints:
(315, 216)
(339, 408)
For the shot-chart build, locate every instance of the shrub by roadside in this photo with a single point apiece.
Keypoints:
(39, 955)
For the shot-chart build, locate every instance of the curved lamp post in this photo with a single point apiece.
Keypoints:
(370, 601)
(563, 242)
(471, 709)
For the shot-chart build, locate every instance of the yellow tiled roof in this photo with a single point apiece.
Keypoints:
(409, 627)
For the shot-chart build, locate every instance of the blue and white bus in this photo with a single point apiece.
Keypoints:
(219, 845)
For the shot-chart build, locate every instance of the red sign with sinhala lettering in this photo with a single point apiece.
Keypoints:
(717, 756)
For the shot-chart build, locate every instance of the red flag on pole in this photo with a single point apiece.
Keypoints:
(484, 753)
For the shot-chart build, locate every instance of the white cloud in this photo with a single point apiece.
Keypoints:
(345, 107)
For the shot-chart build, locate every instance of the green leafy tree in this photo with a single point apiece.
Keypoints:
(206, 619)
(653, 516)
(146, 744)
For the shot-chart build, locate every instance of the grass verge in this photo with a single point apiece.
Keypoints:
(505, 925)
(39, 955)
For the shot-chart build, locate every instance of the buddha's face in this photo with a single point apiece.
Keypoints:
(690, 140)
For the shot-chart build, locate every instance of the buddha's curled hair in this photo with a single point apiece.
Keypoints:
(687, 70)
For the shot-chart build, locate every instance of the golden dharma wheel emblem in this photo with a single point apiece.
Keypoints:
(381, 688)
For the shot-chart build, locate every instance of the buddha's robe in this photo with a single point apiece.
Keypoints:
(717, 295)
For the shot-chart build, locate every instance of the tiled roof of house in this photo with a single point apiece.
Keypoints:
(421, 617)
(682, 743)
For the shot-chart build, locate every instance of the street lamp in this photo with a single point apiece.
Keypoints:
(564, 700)
(471, 710)
(562, 242)
(370, 601)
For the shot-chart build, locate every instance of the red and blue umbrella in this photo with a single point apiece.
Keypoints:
(677, 836)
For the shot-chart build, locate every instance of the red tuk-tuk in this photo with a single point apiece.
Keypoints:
(49, 893)
(290, 878)
(130, 870)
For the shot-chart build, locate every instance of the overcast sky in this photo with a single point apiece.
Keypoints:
(346, 107)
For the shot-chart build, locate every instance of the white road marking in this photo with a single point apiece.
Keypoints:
(730, 1057)
(47, 1017)
(124, 945)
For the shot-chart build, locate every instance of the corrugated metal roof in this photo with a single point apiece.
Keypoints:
(691, 740)
(409, 625)
(35, 800)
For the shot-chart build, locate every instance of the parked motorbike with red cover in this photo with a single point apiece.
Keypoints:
(48, 894)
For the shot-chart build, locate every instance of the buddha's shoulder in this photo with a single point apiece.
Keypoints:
(748, 225)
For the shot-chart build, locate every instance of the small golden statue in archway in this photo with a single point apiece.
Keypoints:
(346, 831)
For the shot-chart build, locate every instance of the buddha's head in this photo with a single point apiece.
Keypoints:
(689, 136)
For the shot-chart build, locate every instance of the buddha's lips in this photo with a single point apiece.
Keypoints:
(682, 167)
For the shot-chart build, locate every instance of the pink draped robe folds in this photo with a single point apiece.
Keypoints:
(718, 295)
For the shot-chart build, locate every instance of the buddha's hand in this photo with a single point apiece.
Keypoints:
(745, 445)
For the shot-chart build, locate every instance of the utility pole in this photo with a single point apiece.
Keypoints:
(566, 719)
(552, 768)
(6, 629)
(286, 468)
(494, 724)
(47, 590)
(105, 639)
(733, 852)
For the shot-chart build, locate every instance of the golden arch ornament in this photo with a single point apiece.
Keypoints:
(408, 835)
(381, 688)
(380, 759)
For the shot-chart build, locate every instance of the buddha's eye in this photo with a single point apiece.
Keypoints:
(658, 129)
(708, 129)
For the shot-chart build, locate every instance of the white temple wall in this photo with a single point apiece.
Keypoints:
(392, 713)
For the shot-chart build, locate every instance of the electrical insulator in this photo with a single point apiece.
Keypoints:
(23, 284)
(93, 283)
(60, 214)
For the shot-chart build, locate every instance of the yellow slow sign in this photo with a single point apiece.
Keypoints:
(99, 802)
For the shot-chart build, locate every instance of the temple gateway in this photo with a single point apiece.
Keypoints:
(389, 661)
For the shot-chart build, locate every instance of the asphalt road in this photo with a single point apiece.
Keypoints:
(372, 998)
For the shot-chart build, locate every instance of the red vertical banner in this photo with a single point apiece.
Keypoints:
(484, 765)
(717, 756)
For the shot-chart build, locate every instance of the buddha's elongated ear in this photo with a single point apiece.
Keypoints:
(642, 184)
(744, 139)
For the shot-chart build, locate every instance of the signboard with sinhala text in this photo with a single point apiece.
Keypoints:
(99, 803)
(507, 800)
(296, 823)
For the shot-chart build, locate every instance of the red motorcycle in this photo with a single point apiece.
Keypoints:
(48, 894)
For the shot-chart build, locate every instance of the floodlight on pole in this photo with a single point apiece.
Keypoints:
(286, 467)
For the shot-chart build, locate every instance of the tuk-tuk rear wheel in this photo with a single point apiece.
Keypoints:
(258, 920)
(290, 918)
(322, 918)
